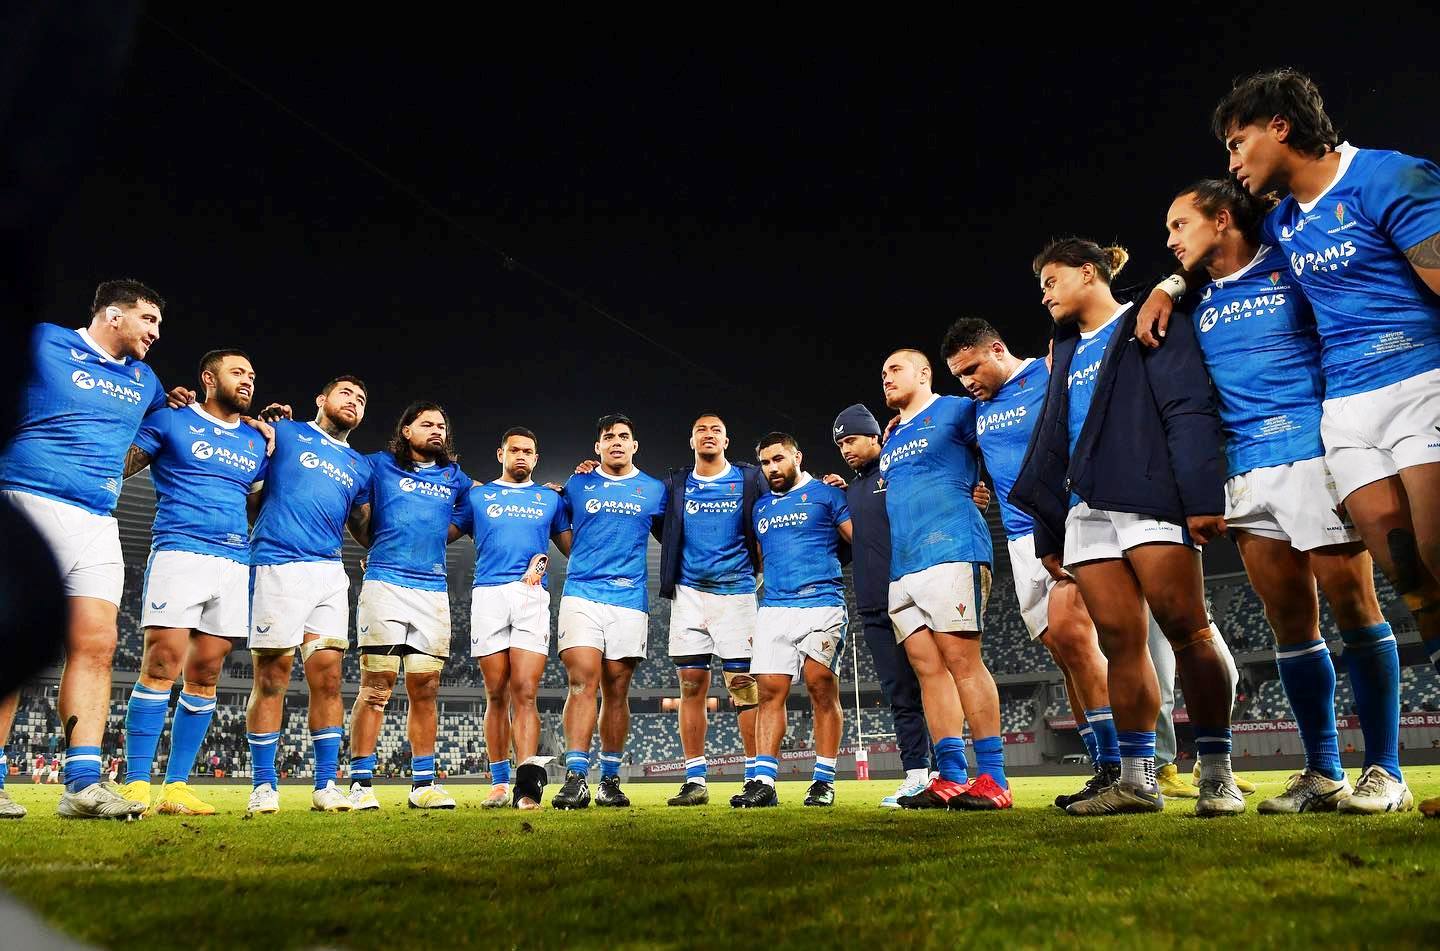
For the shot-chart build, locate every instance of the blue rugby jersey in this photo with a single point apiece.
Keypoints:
(1002, 426)
(612, 518)
(311, 486)
(79, 414)
(799, 544)
(714, 558)
(410, 513)
(511, 523)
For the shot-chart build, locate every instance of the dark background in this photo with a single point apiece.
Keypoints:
(744, 216)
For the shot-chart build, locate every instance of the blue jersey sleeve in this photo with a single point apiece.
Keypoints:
(1402, 195)
(1267, 231)
(151, 435)
(261, 469)
(560, 521)
(157, 401)
(840, 506)
(463, 517)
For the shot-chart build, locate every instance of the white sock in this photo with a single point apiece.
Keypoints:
(919, 776)
(1216, 766)
(1138, 771)
(767, 780)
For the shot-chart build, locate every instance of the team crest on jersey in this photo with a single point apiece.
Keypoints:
(1340, 212)
(925, 421)
(136, 374)
(539, 497)
(1274, 277)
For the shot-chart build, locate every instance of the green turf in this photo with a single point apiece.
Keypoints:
(650, 876)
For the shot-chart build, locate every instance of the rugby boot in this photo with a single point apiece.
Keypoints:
(575, 794)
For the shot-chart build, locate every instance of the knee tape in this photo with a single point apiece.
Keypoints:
(380, 663)
(308, 649)
(375, 695)
(742, 687)
(1204, 635)
(256, 652)
(423, 664)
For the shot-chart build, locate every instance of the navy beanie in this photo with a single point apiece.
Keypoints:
(855, 421)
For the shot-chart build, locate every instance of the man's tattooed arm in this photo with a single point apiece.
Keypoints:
(135, 460)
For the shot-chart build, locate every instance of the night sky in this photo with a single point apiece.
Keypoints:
(697, 221)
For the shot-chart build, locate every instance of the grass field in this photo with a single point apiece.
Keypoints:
(651, 876)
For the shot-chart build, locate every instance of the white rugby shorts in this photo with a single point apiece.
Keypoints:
(702, 622)
(1372, 436)
(948, 597)
(1095, 534)
(1295, 502)
(301, 597)
(85, 546)
(185, 589)
(1032, 584)
(509, 615)
(618, 633)
(391, 615)
(784, 637)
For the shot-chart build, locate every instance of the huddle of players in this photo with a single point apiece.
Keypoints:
(1322, 349)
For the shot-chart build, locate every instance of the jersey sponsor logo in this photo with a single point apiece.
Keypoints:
(408, 484)
(712, 507)
(516, 510)
(1286, 234)
(1332, 258)
(124, 393)
(999, 420)
(783, 520)
(311, 461)
(83, 380)
(911, 448)
(613, 506)
(1263, 305)
(201, 449)
(1085, 375)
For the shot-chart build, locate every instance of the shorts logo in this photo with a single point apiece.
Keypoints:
(309, 460)
(364, 629)
(407, 485)
(160, 606)
(83, 380)
(262, 629)
(201, 449)
(592, 506)
(494, 510)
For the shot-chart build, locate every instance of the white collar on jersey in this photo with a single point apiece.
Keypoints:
(719, 475)
(425, 465)
(1222, 281)
(800, 483)
(513, 485)
(1347, 155)
(1020, 369)
(105, 355)
(928, 404)
(218, 422)
(328, 438)
(1091, 333)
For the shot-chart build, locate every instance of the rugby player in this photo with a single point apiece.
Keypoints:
(196, 600)
(1127, 448)
(300, 590)
(940, 580)
(403, 515)
(513, 522)
(603, 609)
(801, 623)
(63, 468)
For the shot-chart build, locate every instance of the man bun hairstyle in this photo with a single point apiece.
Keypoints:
(1077, 252)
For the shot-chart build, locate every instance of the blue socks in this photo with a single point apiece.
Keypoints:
(824, 770)
(500, 773)
(192, 722)
(4, 768)
(326, 742)
(1087, 735)
(950, 759)
(422, 770)
(1137, 757)
(990, 760)
(766, 769)
(1373, 661)
(362, 769)
(144, 721)
(577, 761)
(1107, 741)
(262, 758)
(82, 767)
(695, 770)
(749, 768)
(609, 764)
(1308, 676)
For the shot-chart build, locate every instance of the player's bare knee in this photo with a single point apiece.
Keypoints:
(423, 686)
(691, 686)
